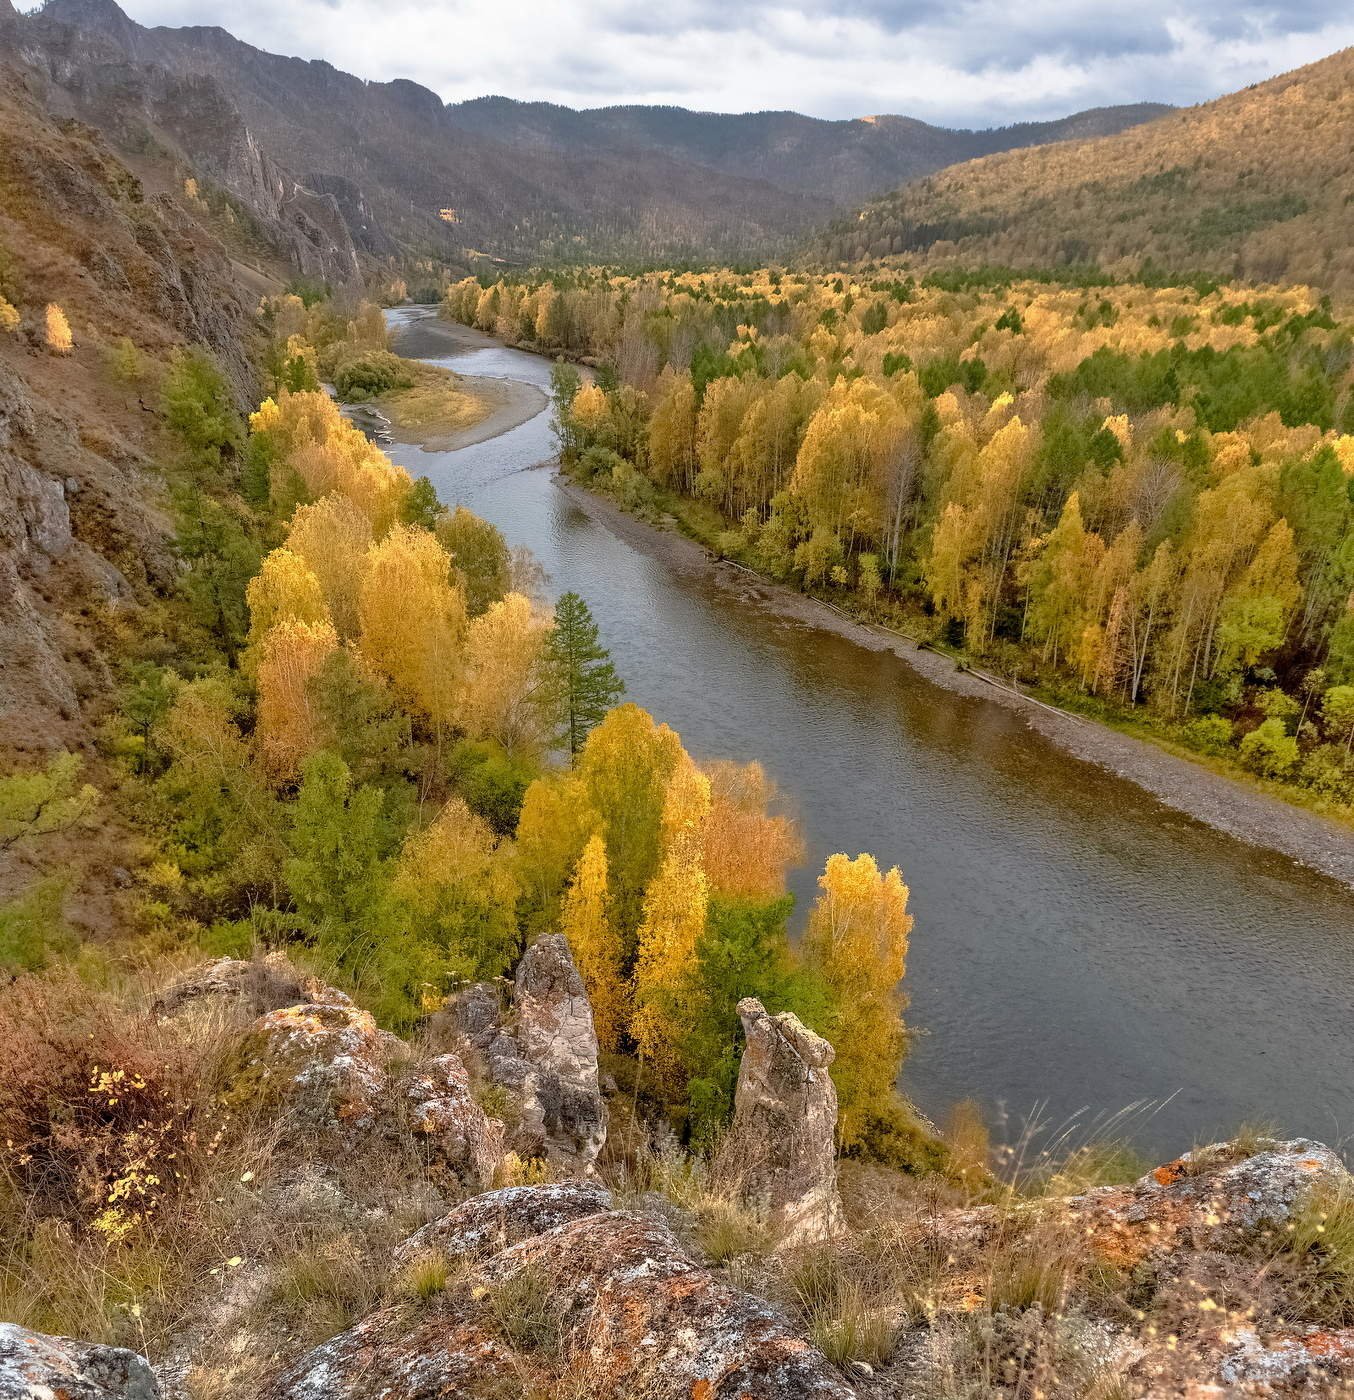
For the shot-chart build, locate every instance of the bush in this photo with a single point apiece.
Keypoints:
(97, 1109)
(374, 372)
(1326, 770)
(1209, 734)
(1269, 750)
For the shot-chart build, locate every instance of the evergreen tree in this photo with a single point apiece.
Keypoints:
(580, 683)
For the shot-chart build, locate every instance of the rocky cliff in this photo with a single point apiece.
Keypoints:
(81, 533)
(333, 1212)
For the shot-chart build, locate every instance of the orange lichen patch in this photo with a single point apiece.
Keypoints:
(1311, 1164)
(1170, 1173)
(1338, 1346)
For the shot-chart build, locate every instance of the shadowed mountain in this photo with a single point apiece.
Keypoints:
(512, 180)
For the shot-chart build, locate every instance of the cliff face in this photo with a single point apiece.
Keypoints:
(80, 534)
(87, 61)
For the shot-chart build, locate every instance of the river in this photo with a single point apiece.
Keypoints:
(1078, 947)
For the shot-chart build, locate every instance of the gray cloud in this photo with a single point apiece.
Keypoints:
(971, 62)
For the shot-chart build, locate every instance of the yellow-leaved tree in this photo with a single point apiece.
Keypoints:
(857, 943)
(586, 922)
(413, 621)
(747, 850)
(502, 657)
(58, 330)
(284, 587)
(457, 883)
(331, 537)
(675, 906)
(290, 657)
(625, 768)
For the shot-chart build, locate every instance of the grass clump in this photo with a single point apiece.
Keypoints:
(528, 1311)
(1321, 1249)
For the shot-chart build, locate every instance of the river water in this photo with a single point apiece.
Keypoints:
(1078, 947)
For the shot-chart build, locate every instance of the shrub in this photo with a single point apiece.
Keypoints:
(1269, 750)
(1326, 770)
(371, 373)
(97, 1107)
(9, 316)
(33, 930)
(57, 330)
(1209, 734)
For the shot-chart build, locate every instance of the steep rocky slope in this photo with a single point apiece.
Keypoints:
(519, 181)
(1254, 185)
(343, 1221)
(81, 534)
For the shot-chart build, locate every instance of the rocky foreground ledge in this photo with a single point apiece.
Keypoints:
(1186, 1282)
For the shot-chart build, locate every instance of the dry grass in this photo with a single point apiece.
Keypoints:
(438, 403)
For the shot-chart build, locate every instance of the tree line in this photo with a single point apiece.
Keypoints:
(363, 732)
(1136, 494)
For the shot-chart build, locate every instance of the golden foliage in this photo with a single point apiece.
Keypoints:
(413, 621)
(57, 330)
(290, 657)
(586, 922)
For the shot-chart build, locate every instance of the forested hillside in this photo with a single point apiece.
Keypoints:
(420, 182)
(1255, 185)
(1139, 497)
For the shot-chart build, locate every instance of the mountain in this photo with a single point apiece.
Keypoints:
(1255, 185)
(842, 161)
(515, 181)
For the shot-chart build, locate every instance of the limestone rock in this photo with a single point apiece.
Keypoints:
(488, 1224)
(255, 986)
(630, 1314)
(34, 1366)
(444, 1115)
(782, 1143)
(1209, 1199)
(561, 1098)
(329, 1061)
(540, 1046)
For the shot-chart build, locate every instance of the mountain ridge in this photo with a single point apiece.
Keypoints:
(1251, 185)
(539, 182)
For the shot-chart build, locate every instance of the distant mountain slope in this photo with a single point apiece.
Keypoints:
(842, 160)
(1259, 184)
(526, 182)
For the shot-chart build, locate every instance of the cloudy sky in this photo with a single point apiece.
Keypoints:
(966, 62)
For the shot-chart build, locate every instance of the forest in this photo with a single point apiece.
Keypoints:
(357, 729)
(1133, 497)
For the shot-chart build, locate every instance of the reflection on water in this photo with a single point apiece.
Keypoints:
(1076, 944)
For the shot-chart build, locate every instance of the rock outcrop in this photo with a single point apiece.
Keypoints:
(34, 1366)
(333, 1072)
(550, 1289)
(542, 1049)
(782, 1145)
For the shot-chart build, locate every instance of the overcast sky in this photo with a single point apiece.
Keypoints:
(956, 62)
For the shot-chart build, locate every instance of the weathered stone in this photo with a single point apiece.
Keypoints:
(34, 1366)
(561, 1098)
(488, 1224)
(455, 1129)
(542, 1048)
(328, 1061)
(634, 1315)
(1209, 1199)
(782, 1144)
(255, 986)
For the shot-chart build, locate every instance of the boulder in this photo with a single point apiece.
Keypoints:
(327, 1061)
(615, 1307)
(444, 1115)
(255, 986)
(34, 1366)
(535, 1038)
(488, 1224)
(783, 1141)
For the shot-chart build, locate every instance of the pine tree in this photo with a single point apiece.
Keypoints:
(580, 683)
